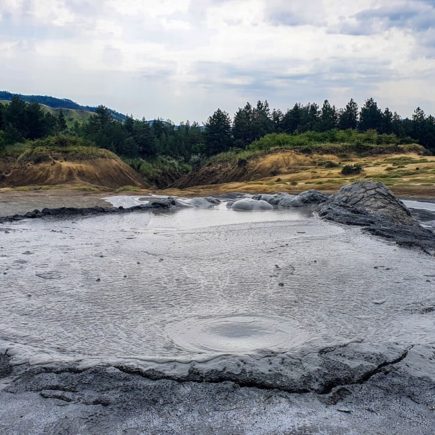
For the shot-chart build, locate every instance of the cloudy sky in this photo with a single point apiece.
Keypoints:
(181, 59)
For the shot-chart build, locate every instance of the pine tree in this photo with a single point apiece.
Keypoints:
(387, 122)
(371, 116)
(328, 117)
(348, 118)
(262, 123)
(61, 122)
(218, 136)
(242, 128)
(277, 117)
(292, 119)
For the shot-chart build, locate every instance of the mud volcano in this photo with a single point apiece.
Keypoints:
(201, 318)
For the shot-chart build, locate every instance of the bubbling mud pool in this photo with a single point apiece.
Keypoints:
(236, 334)
(201, 282)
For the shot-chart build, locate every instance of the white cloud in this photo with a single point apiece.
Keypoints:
(182, 59)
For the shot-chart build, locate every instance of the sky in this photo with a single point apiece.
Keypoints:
(182, 59)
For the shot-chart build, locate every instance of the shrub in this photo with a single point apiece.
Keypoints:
(351, 169)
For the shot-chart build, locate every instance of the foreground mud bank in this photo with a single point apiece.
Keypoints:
(387, 392)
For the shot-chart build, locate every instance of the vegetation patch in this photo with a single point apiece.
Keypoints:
(352, 169)
(159, 171)
(55, 148)
(338, 142)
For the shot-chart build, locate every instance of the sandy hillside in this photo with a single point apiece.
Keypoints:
(100, 170)
(286, 170)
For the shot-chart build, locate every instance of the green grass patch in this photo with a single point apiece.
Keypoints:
(55, 148)
(338, 142)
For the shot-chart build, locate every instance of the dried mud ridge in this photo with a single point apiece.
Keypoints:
(69, 212)
(321, 371)
(361, 381)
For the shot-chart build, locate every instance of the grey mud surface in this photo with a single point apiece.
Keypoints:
(131, 323)
(18, 202)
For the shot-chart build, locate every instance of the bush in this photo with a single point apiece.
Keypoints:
(351, 169)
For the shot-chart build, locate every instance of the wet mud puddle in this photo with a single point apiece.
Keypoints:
(201, 282)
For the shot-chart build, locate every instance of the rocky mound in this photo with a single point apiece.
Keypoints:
(373, 206)
(251, 204)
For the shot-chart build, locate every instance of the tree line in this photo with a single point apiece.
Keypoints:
(20, 121)
(253, 122)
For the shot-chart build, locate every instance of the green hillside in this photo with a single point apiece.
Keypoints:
(71, 115)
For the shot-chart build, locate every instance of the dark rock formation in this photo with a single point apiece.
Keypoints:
(373, 206)
(365, 202)
(156, 202)
(304, 199)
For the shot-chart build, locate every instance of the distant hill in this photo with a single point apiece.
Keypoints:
(57, 103)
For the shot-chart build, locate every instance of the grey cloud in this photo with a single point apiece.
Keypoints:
(318, 80)
(414, 15)
(286, 13)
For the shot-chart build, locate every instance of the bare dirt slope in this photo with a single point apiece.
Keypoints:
(109, 172)
(291, 171)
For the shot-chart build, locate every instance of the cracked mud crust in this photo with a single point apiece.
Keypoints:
(344, 389)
